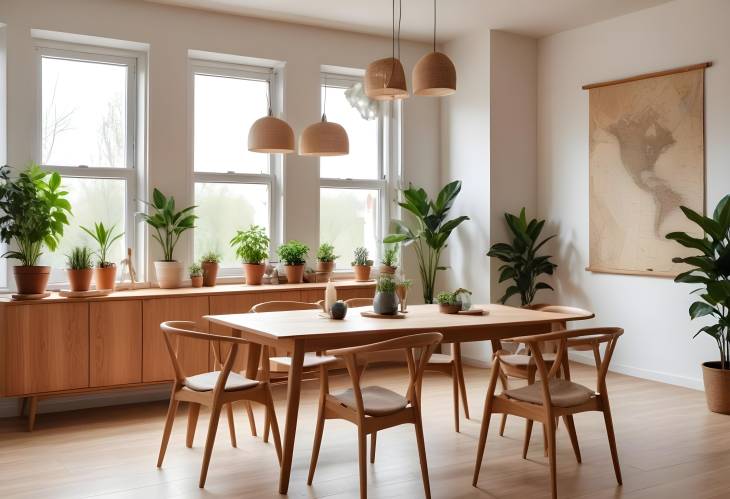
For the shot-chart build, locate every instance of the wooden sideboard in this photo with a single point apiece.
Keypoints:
(61, 346)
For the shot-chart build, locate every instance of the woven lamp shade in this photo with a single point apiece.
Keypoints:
(324, 139)
(386, 80)
(272, 135)
(434, 75)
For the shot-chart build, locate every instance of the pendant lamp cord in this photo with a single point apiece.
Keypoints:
(268, 96)
(324, 103)
(434, 25)
(400, 15)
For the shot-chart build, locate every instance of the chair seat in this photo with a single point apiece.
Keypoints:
(563, 393)
(206, 382)
(310, 360)
(521, 360)
(378, 401)
(440, 358)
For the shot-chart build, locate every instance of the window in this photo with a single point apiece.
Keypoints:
(87, 133)
(352, 187)
(229, 179)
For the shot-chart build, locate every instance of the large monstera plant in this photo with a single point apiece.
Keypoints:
(710, 269)
(522, 264)
(430, 230)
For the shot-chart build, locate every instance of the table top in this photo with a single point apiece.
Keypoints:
(420, 318)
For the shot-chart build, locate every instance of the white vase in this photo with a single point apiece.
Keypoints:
(169, 274)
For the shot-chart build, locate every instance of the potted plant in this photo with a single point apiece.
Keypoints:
(168, 225)
(390, 259)
(79, 268)
(196, 275)
(431, 230)
(710, 271)
(105, 273)
(385, 301)
(448, 302)
(252, 247)
(326, 258)
(522, 263)
(34, 210)
(362, 264)
(210, 263)
(401, 289)
(293, 255)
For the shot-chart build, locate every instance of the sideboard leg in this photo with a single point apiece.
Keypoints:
(32, 409)
(22, 403)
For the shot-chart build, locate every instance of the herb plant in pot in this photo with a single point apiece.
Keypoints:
(252, 247)
(105, 273)
(453, 302)
(293, 254)
(362, 264)
(210, 262)
(34, 210)
(385, 301)
(390, 259)
(326, 258)
(196, 275)
(710, 271)
(168, 225)
(79, 268)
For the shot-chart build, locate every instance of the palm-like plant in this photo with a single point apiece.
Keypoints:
(430, 232)
(710, 269)
(168, 223)
(104, 237)
(521, 262)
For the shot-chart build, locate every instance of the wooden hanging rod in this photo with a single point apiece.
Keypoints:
(683, 69)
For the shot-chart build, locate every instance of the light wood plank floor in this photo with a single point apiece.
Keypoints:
(670, 447)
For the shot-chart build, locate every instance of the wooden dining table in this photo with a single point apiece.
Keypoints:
(303, 331)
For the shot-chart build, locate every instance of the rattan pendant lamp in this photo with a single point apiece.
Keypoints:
(324, 138)
(434, 74)
(385, 79)
(270, 134)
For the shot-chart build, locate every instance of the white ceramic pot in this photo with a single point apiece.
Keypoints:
(169, 274)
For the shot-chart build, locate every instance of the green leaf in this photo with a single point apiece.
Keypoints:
(700, 309)
(709, 225)
(543, 285)
(446, 197)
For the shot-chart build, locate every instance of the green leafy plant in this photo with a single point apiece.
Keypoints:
(293, 252)
(104, 237)
(390, 255)
(385, 284)
(326, 253)
(34, 211)
(195, 270)
(521, 261)
(251, 245)
(451, 298)
(430, 232)
(711, 270)
(362, 257)
(168, 224)
(79, 258)
(211, 257)
(406, 283)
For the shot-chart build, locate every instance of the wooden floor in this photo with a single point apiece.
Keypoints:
(670, 447)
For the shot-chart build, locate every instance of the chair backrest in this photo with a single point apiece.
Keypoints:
(425, 342)
(359, 302)
(282, 306)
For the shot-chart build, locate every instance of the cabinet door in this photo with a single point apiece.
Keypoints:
(46, 348)
(347, 293)
(193, 354)
(115, 336)
(312, 295)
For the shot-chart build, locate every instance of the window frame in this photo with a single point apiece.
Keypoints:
(130, 173)
(271, 180)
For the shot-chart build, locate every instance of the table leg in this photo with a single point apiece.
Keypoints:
(292, 411)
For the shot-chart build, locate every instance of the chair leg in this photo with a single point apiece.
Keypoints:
(460, 373)
(597, 356)
(455, 390)
(193, 412)
(317, 443)
(32, 411)
(422, 454)
(231, 424)
(570, 425)
(362, 461)
(271, 412)
(171, 411)
(251, 420)
(373, 442)
(483, 437)
(502, 424)
(545, 443)
(215, 414)
(528, 434)
(611, 440)
(267, 427)
(552, 456)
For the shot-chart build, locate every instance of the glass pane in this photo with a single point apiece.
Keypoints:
(362, 162)
(348, 218)
(225, 109)
(84, 117)
(92, 200)
(242, 205)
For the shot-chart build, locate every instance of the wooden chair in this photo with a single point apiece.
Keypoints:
(213, 389)
(374, 408)
(450, 365)
(553, 397)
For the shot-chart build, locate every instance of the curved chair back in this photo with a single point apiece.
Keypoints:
(359, 302)
(282, 306)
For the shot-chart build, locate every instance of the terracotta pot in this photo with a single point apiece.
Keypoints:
(80, 279)
(362, 272)
(197, 281)
(31, 280)
(169, 274)
(254, 273)
(210, 273)
(294, 273)
(717, 387)
(387, 269)
(325, 266)
(105, 277)
(449, 309)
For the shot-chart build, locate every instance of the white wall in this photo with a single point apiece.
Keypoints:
(653, 311)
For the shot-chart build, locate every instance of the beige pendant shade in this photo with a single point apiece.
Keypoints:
(386, 80)
(324, 139)
(434, 75)
(271, 135)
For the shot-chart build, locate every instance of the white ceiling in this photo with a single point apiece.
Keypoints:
(535, 18)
